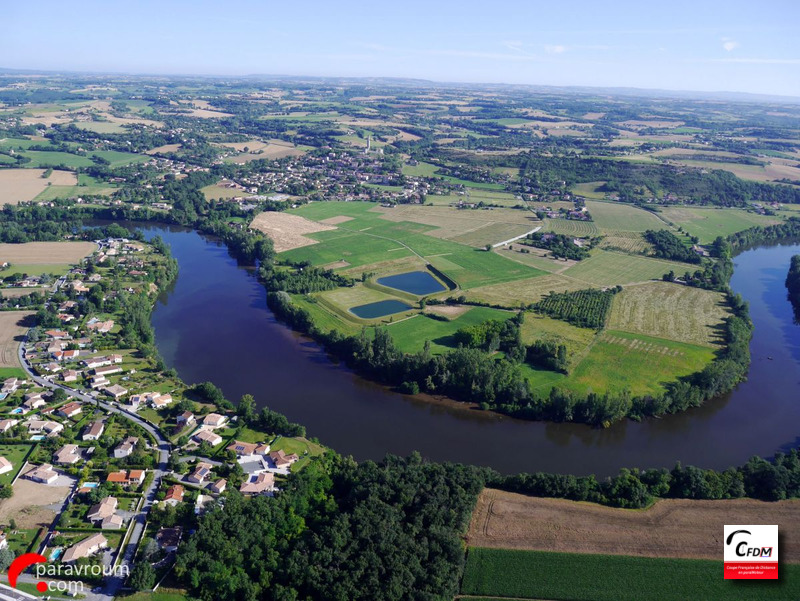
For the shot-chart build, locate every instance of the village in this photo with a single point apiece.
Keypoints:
(104, 461)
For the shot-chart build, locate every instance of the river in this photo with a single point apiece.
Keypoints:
(213, 324)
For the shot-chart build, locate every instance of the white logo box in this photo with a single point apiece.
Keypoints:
(751, 543)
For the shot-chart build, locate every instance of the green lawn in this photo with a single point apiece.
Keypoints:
(12, 372)
(118, 159)
(16, 454)
(410, 335)
(505, 573)
(422, 169)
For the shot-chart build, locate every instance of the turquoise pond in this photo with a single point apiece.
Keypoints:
(415, 282)
(379, 309)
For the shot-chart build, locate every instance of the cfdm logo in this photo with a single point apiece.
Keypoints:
(751, 552)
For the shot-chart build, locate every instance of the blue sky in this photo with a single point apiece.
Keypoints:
(699, 45)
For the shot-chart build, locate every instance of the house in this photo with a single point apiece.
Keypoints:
(57, 334)
(214, 420)
(85, 548)
(201, 472)
(78, 287)
(115, 359)
(44, 474)
(71, 409)
(96, 362)
(174, 495)
(67, 455)
(112, 522)
(49, 428)
(94, 431)
(208, 436)
(263, 483)
(115, 391)
(202, 503)
(168, 539)
(102, 510)
(107, 370)
(242, 448)
(218, 486)
(125, 478)
(282, 460)
(101, 327)
(98, 382)
(70, 375)
(185, 419)
(3, 541)
(125, 448)
(5, 465)
(7, 424)
(161, 400)
(10, 385)
(33, 403)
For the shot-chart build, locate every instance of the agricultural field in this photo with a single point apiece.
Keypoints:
(13, 326)
(607, 268)
(709, 223)
(46, 253)
(642, 364)
(287, 231)
(670, 311)
(571, 227)
(19, 185)
(504, 574)
(612, 217)
(677, 528)
(525, 291)
(539, 327)
(410, 335)
(628, 242)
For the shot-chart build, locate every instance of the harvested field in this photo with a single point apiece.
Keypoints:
(29, 505)
(18, 292)
(630, 242)
(670, 311)
(164, 149)
(46, 253)
(336, 220)
(13, 326)
(571, 228)
(288, 231)
(19, 185)
(449, 311)
(525, 291)
(620, 217)
(670, 528)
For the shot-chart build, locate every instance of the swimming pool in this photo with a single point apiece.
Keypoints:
(56, 553)
(3, 395)
(18, 410)
(38, 437)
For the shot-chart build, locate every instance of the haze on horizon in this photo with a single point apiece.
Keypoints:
(734, 46)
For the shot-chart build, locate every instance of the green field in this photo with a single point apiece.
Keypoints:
(707, 224)
(410, 335)
(420, 170)
(570, 227)
(505, 573)
(370, 239)
(606, 268)
(45, 158)
(616, 216)
(100, 127)
(642, 364)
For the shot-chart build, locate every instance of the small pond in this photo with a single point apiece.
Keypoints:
(379, 309)
(415, 282)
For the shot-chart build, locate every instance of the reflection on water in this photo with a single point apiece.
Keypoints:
(213, 324)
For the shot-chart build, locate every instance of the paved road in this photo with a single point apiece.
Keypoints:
(113, 584)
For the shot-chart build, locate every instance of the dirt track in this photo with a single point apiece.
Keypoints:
(671, 528)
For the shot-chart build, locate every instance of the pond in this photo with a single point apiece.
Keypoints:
(379, 309)
(213, 324)
(415, 282)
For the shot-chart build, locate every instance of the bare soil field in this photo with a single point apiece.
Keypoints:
(287, 231)
(336, 265)
(527, 291)
(46, 253)
(20, 185)
(165, 148)
(12, 329)
(449, 311)
(29, 505)
(18, 292)
(670, 528)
